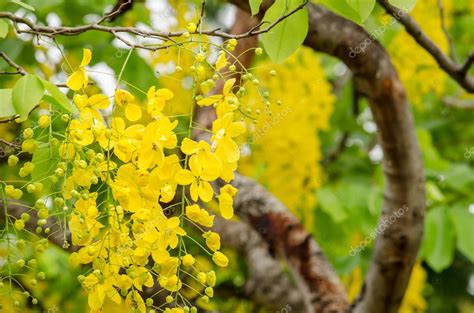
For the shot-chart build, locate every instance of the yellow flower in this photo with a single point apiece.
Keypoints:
(213, 240)
(226, 201)
(170, 230)
(202, 150)
(135, 302)
(80, 134)
(224, 129)
(157, 135)
(133, 112)
(199, 177)
(163, 178)
(198, 215)
(90, 106)
(78, 78)
(44, 121)
(157, 100)
(220, 259)
(227, 102)
(188, 260)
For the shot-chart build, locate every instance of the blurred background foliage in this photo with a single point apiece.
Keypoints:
(317, 151)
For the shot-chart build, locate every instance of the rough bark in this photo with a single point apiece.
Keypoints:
(396, 248)
(287, 238)
(266, 283)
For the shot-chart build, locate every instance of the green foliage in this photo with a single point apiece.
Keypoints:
(3, 28)
(26, 94)
(283, 39)
(406, 5)
(57, 98)
(6, 105)
(255, 6)
(362, 7)
(439, 239)
(463, 222)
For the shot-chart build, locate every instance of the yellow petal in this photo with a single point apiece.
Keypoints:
(194, 191)
(86, 57)
(189, 146)
(165, 94)
(225, 205)
(205, 191)
(228, 86)
(221, 61)
(220, 259)
(96, 298)
(209, 100)
(133, 112)
(77, 80)
(236, 129)
(99, 101)
(184, 177)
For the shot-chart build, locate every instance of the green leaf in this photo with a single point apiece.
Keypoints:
(362, 7)
(45, 160)
(342, 8)
(460, 177)
(463, 222)
(283, 39)
(3, 28)
(330, 204)
(6, 105)
(255, 6)
(27, 93)
(61, 100)
(22, 4)
(405, 5)
(439, 239)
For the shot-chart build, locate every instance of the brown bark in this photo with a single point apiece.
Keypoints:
(396, 249)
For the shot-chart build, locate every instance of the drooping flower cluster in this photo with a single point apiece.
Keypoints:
(135, 193)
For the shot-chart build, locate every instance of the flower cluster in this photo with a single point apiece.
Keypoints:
(135, 192)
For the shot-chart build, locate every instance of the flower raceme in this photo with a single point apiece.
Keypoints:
(136, 235)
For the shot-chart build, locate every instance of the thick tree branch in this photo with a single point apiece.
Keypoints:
(396, 249)
(287, 238)
(458, 72)
(267, 284)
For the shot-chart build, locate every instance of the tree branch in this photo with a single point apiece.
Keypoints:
(458, 72)
(267, 284)
(18, 68)
(396, 249)
(51, 31)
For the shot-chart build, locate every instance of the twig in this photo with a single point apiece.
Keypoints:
(458, 103)
(19, 69)
(201, 16)
(51, 31)
(10, 144)
(452, 51)
(119, 8)
(457, 71)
